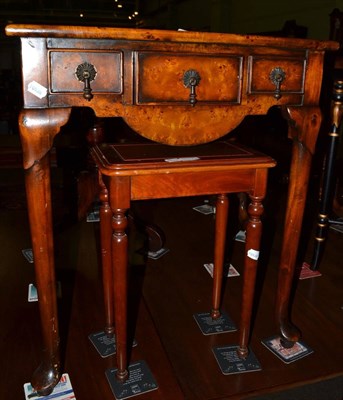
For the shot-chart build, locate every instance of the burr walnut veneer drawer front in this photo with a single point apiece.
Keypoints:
(261, 70)
(160, 78)
(107, 65)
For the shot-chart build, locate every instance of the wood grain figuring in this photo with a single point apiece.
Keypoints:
(188, 126)
(82, 32)
(189, 184)
(160, 78)
(108, 66)
(294, 71)
(119, 91)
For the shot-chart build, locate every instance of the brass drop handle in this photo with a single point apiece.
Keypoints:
(86, 73)
(191, 79)
(277, 76)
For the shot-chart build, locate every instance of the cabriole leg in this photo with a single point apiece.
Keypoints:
(303, 129)
(37, 131)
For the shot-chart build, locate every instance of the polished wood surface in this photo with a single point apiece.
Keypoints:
(267, 72)
(142, 172)
(52, 54)
(160, 299)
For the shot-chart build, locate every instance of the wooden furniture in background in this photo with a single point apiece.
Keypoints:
(336, 34)
(329, 188)
(149, 78)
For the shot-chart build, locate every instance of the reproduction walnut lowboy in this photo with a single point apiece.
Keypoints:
(178, 88)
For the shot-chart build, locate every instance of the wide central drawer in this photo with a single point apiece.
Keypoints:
(159, 78)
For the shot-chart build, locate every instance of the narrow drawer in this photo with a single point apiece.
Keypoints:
(159, 78)
(260, 69)
(108, 66)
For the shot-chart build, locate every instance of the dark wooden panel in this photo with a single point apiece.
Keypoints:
(108, 65)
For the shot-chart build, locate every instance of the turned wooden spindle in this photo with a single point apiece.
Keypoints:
(252, 249)
(119, 265)
(222, 208)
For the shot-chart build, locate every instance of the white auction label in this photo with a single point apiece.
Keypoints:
(181, 159)
(37, 89)
(253, 254)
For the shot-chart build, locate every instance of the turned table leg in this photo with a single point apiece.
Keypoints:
(119, 193)
(252, 251)
(106, 256)
(37, 130)
(219, 250)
